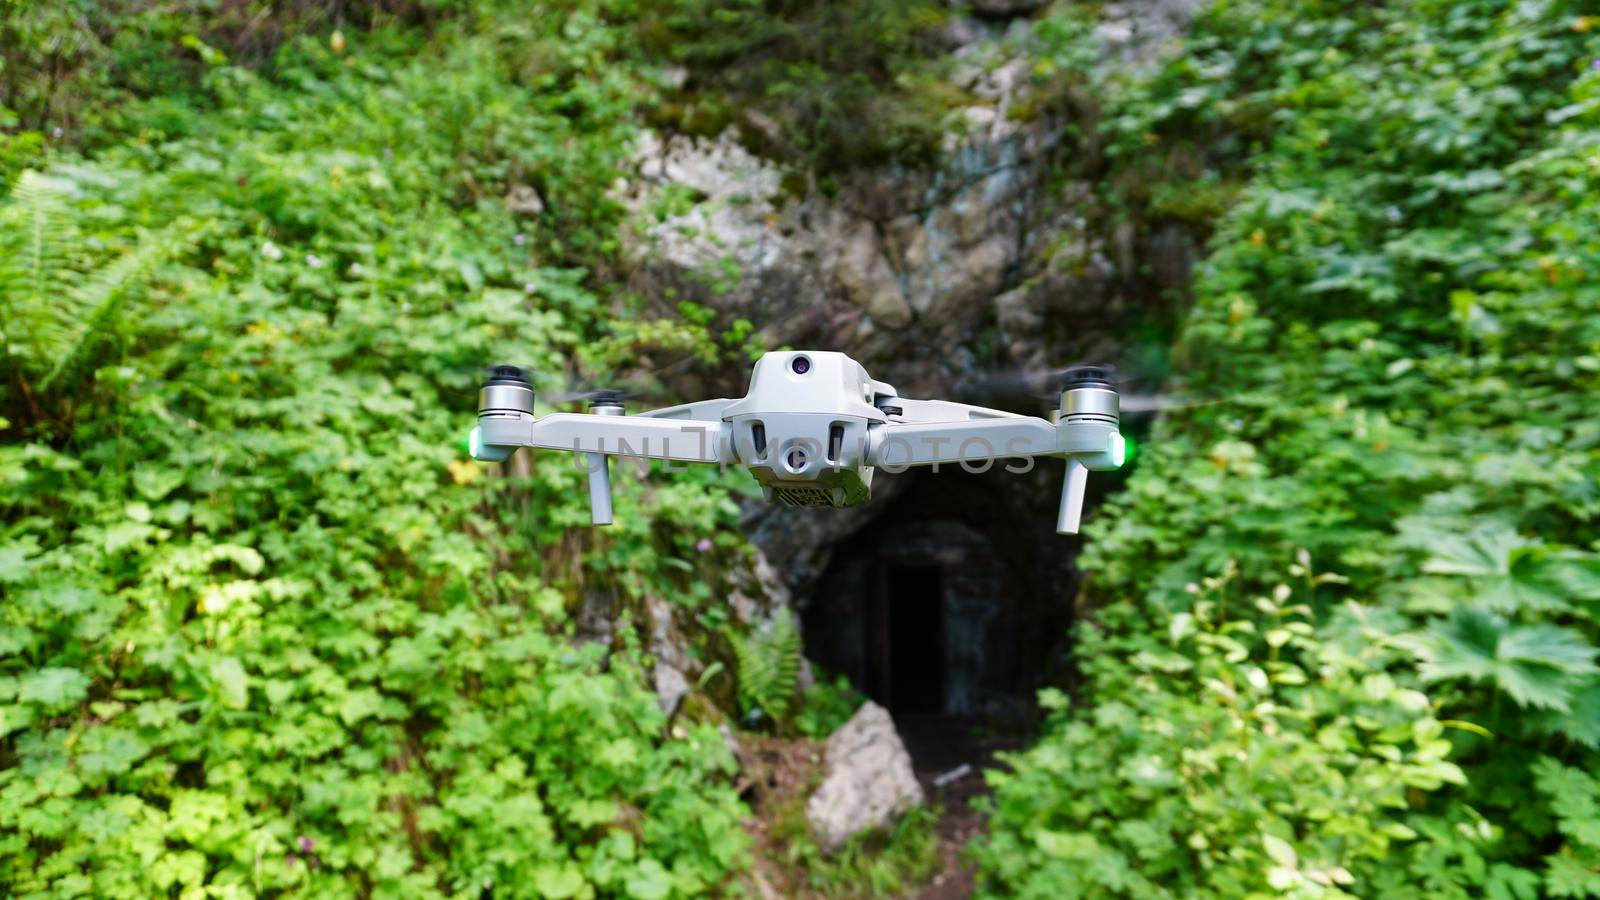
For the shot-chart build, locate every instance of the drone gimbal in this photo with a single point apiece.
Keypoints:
(812, 429)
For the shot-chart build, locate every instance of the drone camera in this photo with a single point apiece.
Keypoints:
(796, 459)
(803, 428)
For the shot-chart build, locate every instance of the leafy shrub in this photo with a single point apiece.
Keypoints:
(1398, 326)
(827, 705)
(265, 627)
(1235, 752)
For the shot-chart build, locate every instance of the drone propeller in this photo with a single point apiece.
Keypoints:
(1043, 385)
(1036, 380)
(573, 388)
(607, 395)
(1150, 403)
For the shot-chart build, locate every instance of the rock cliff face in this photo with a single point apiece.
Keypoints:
(922, 275)
(994, 258)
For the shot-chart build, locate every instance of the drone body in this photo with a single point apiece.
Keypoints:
(812, 430)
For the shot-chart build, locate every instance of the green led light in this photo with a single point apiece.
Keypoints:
(474, 442)
(1117, 447)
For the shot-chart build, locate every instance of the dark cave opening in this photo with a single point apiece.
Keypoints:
(905, 639)
(951, 606)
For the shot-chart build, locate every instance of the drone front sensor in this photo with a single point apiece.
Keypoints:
(812, 429)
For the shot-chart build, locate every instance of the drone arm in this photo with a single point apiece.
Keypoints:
(1089, 447)
(1086, 445)
(899, 445)
(631, 436)
(699, 411)
(599, 436)
(935, 411)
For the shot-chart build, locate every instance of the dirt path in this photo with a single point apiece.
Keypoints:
(940, 747)
(958, 825)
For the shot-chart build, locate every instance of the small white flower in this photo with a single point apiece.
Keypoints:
(356, 270)
(529, 288)
(271, 251)
(313, 260)
(519, 239)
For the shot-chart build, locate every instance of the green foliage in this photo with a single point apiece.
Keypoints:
(1574, 798)
(1297, 760)
(265, 628)
(49, 56)
(1399, 319)
(768, 662)
(826, 705)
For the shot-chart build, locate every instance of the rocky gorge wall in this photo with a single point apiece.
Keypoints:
(1003, 255)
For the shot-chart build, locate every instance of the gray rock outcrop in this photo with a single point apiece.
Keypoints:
(868, 780)
(985, 260)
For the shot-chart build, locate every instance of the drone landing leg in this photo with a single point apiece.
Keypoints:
(599, 488)
(1072, 487)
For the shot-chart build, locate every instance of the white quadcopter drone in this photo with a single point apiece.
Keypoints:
(812, 429)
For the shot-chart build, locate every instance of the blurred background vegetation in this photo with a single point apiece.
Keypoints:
(266, 629)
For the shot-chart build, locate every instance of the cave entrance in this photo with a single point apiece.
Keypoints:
(951, 605)
(906, 640)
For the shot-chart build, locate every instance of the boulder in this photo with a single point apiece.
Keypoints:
(672, 661)
(868, 779)
(523, 198)
(670, 685)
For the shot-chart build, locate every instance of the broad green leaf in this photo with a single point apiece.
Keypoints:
(358, 705)
(155, 482)
(54, 687)
(14, 559)
(233, 685)
(557, 881)
(1569, 876)
(1280, 851)
(1538, 665)
(1485, 550)
(650, 881)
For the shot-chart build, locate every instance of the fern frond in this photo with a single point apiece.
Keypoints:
(37, 235)
(100, 296)
(769, 666)
(784, 640)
